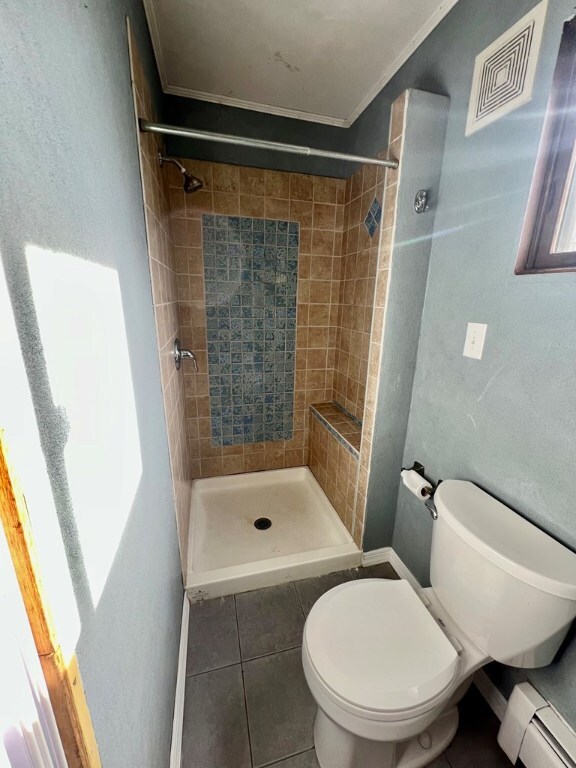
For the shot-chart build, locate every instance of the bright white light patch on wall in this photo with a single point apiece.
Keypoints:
(504, 72)
(79, 309)
(18, 420)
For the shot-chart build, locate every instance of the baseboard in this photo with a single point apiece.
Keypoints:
(403, 571)
(178, 721)
(491, 693)
(388, 555)
(376, 556)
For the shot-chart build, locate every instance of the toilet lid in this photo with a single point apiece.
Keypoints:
(375, 645)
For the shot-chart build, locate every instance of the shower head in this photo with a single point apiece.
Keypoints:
(191, 182)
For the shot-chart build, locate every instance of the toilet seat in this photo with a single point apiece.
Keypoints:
(375, 648)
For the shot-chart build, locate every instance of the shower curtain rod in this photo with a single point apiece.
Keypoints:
(276, 146)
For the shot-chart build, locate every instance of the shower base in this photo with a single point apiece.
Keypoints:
(227, 554)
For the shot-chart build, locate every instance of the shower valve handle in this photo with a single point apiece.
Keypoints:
(183, 354)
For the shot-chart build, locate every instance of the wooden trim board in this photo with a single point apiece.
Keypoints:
(63, 680)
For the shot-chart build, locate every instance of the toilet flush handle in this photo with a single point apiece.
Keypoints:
(431, 507)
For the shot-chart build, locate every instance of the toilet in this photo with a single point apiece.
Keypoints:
(387, 664)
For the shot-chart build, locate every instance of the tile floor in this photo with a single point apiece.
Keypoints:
(247, 702)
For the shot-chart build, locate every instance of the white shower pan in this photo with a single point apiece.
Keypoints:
(227, 554)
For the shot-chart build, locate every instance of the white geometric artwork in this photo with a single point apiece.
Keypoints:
(504, 72)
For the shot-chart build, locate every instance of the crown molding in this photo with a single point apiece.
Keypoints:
(442, 11)
(256, 106)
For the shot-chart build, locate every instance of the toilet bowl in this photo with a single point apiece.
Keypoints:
(387, 664)
(382, 664)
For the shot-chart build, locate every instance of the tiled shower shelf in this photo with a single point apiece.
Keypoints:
(339, 423)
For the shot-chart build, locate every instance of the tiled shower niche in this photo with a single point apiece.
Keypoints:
(250, 279)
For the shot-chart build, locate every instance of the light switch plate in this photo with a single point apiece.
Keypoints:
(474, 343)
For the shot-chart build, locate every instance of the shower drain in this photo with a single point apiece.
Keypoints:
(263, 523)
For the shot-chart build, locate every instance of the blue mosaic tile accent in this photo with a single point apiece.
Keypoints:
(373, 217)
(250, 279)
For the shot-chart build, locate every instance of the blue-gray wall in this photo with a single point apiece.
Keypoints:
(219, 118)
(71, 184)
(420, 164)
(508, 421)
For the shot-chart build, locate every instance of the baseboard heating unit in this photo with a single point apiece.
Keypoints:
(533, 732)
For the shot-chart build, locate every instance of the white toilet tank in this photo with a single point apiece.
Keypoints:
(508, 585)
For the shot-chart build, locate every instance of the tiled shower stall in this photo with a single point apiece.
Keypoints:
(277, 281)
(281, 283)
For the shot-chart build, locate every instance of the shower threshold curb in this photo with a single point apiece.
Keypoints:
(269, 573)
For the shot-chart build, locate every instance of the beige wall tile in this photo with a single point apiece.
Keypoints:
(302, 212)
(323, 242)
(252, 181)
(276, 208)
(169, 290)
(226, 178)
(251, 205)
(277, 184)
(324, 216)
(325, 190)
(301, 187)
(226, 202)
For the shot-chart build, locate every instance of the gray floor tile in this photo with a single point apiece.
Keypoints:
(379, 571)
(212, 636)
(305, 760)
(215, 729)
(269, 620)
(440, 762)
(281, 709)
(475, 744)
(309, 590)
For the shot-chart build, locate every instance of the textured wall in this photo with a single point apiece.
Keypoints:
(71, 187)
(507, 422)
(424, 119)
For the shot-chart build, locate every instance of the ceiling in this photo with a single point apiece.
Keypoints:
(319, 60)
